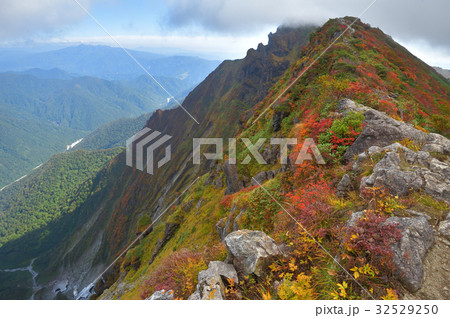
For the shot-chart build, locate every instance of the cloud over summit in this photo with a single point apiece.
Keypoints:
(404, 19)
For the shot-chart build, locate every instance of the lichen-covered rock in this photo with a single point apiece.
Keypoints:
(417, 238)
(381, 130)
(250, 251)
(162, 295)
(212, 281)
(402, 171)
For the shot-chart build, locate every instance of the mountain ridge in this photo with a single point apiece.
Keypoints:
(364, 65)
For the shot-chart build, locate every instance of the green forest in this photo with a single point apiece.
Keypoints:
(53, 190)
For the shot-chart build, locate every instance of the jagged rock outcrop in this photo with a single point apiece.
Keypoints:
(381, 130)
(417, 238)
(230, 223)
(107, 279)
(251, 251)
(212, 281)
(402, 171)
(409, 251)
(162, 295)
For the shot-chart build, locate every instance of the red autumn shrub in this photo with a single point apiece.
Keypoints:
(178, 272)
(371, 238)
(311, 207)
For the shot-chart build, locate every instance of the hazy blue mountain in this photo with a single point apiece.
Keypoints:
(110, 63)
(54, 73)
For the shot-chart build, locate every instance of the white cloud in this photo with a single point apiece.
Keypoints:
(408, 19)
(432, 55)
(19, 18)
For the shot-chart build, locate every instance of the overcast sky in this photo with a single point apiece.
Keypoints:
(217, 28)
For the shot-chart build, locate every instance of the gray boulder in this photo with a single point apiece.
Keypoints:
(212, 281)
(347, 105)
(354, 218)
(251, 251)
(402, 171)
(381, 130)
(162, 295)
(409, 251)
(195, 296)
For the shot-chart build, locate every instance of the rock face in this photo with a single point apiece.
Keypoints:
(162, 295)
(381, 130)
(277, 118)
(402, 171)
(251, 251)
(231, 177)
(411, 249)
(212, 281)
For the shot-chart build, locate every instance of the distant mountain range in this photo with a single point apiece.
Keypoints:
(50, 99)
(110, 63)
(91, 226)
